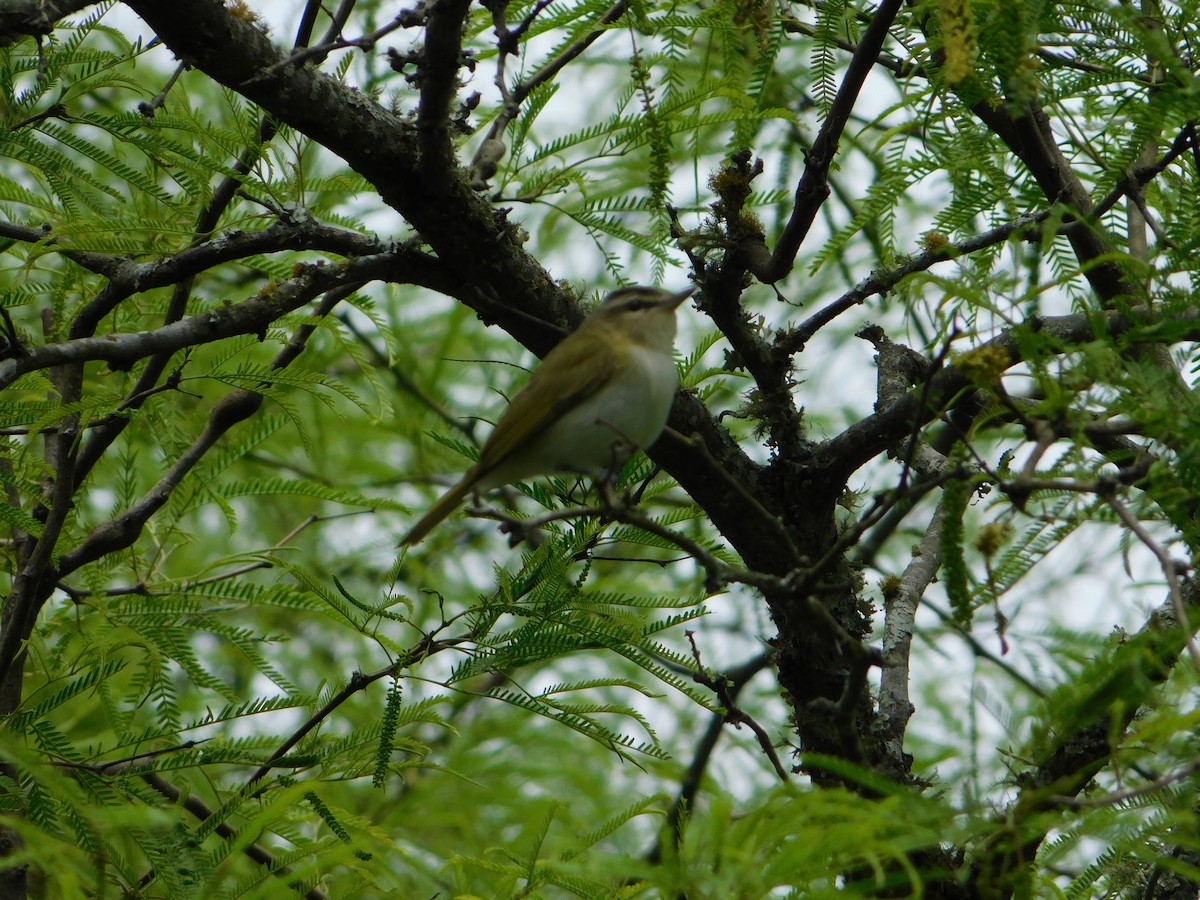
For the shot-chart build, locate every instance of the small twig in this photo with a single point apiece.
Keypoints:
(879, 508)
(407, 18)
(800, 583)
(1143, 175)
(55, 111)
(426, 647)
(689, 787)
(718, 574)
(15, 346)
(514, 98)
(143, 589)
(171, 384)
(1180, 774)
(910, 449)
(1171, 568)
(120, 765)
(247, 317)
(883, 280)
(404, 382)
(983, 652)
(30, 586)
(1068, 62)
(734, 714)
(103, 264)
(149, 109)
(203, 812)
(357, 682)
(899, 67)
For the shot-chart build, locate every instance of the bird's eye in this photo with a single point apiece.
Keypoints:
(635, 305)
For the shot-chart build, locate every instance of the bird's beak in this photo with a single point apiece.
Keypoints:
(673, 301)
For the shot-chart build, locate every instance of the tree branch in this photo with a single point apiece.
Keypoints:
(813, 186)
(483, 166)
(439, 82)
(870, 436)
(900, 614)
(25, 18)
(248, 317)
(202, 812)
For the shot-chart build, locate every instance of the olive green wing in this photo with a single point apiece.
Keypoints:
(560, 383)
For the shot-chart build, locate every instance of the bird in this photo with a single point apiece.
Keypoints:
(602, 394)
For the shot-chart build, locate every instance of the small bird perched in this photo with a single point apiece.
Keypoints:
(599, 396)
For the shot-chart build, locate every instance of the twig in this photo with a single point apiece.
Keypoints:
(113, 766)
(404, 382)
(55, 111)
(898, 67)
(37, 572)
(1171, 568)
(689, 786)
(143, 589)
(426, 647)
(813, 186)
(203, 812)
(881, 281)
(514, 98)
(718, 573)
(407, 18)
(149, 109)
(983, 652)
(862, 441)
(733, 713)
(800, 584)
(1181, 774)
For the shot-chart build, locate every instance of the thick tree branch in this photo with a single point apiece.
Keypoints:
(872, 435)
(248, 317)
(24, 18)
(33, 582)
(439, 83)
(900, 613)
(721, 299)
(813, 186)
(1027, 131)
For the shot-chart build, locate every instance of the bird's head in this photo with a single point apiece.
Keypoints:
(645, 314)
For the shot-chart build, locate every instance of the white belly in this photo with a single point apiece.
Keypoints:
(626, 415)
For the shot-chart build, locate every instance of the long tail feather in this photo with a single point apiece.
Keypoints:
(449, 502)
